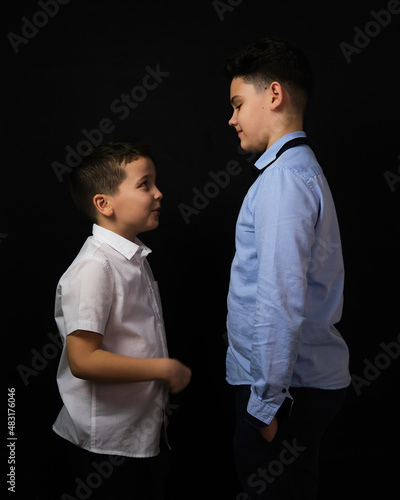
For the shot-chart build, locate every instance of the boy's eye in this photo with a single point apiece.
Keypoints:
(143, 184)
(238, 106)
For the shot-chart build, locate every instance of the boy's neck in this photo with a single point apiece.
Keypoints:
(127, 234)
(286, 125)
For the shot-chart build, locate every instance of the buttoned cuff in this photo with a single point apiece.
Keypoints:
(260, 412)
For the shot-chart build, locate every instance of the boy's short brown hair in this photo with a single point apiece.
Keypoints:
(102, 171)
(274, 58)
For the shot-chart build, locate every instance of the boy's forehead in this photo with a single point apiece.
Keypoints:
(239, 88)
(140, 167)
(236, 85)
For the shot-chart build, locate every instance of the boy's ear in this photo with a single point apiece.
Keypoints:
(103, 205)
(275, 95)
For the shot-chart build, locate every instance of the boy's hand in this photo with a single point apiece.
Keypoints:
(268, 433)
(178, 376)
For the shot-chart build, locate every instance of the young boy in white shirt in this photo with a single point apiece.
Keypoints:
(114, 373)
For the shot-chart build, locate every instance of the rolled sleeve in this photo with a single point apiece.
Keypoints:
(286, 212)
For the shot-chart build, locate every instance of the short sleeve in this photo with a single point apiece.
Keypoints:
(86, 293)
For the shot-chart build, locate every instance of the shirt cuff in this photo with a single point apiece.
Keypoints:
(260, 413)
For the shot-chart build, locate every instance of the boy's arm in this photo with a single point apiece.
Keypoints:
(87, 360)
(285, 217)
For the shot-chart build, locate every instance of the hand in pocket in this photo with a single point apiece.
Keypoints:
(269, 432)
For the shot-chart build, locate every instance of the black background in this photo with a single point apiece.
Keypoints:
(64, 79)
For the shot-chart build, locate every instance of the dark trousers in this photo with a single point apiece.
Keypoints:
(286, 468)
(93, 476)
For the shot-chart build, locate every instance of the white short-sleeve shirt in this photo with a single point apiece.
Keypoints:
(109, 289)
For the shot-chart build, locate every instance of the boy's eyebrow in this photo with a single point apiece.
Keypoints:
(147, 176)
(234, 98)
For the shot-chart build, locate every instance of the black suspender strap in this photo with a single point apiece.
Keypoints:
(290, 144)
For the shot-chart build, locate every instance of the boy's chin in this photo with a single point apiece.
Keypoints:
(251, 149)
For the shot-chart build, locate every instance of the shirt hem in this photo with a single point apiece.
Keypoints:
(305, 386)
(300, 386)
(238, 383)
(107, 452)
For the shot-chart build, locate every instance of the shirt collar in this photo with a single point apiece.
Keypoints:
(125, 247)
(270, 153)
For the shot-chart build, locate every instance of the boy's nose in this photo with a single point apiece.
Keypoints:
(233, 121)
(158, 194)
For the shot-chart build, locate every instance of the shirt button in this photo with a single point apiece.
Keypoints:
(283, 390)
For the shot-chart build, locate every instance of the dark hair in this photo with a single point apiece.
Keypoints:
(101, 172)
(274, 59)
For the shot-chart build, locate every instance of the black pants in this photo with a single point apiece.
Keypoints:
(93, 476)
(286, 468)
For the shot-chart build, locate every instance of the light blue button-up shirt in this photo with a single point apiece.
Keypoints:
(286, 286)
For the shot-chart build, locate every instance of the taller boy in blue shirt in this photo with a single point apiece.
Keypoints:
(285, 296)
